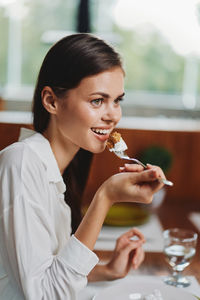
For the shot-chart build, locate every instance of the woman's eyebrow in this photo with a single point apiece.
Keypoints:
(105, 95)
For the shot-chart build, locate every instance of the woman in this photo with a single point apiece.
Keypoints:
(78, 92)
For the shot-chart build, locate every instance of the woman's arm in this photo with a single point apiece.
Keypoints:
(125, 187)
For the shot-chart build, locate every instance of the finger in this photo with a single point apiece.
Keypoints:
(147, 176)
(136, 232)
(159, 170)
(148, 182)
(133, 168)
(138, 257)
(133, 232)
(132, 245)
(131, 235)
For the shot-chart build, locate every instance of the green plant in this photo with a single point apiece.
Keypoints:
(157, 155)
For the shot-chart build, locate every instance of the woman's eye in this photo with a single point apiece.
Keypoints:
(97, 102)
(118, 100)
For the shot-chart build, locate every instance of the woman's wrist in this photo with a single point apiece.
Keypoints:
(103, 195)
(110, 274)
(106, 192)
(101, 273)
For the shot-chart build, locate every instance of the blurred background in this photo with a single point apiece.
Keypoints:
(159, 41)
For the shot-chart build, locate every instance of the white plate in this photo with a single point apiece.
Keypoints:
(124, 289)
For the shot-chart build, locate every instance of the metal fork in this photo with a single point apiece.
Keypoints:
(123, 155)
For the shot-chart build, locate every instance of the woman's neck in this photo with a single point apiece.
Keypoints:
(62, 148)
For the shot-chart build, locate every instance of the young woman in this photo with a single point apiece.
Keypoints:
(78, 94)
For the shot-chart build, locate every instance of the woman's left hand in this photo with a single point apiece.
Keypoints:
(128, 253)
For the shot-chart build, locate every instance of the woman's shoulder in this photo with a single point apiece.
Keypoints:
(17, 154)
(14, 150)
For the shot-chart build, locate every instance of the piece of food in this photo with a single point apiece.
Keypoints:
(116, 143)
(114, 138)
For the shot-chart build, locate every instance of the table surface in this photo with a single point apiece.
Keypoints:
(154, 263)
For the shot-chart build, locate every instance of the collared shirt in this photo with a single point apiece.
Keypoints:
(39, 258)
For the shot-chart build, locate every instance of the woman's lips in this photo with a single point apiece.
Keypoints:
(101, 137)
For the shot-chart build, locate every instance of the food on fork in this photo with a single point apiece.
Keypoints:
(114, 138)
(116, 143)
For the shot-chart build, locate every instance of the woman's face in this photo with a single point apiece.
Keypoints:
(89, 112)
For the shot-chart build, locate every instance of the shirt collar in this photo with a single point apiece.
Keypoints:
(41, 146)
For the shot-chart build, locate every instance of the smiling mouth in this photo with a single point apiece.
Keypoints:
(101, 131)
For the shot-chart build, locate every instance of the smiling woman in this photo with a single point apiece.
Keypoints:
(84, 118)
(76, 106)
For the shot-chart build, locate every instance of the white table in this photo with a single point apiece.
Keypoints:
(94, 288)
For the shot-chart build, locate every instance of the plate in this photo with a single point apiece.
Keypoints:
(125, 290)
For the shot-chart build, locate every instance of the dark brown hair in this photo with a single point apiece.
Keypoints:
(69, 61)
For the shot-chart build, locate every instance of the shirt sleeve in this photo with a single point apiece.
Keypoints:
(28, 241)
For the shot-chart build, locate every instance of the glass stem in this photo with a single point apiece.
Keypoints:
(177, 275)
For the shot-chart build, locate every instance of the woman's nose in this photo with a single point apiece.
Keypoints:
(112, 114)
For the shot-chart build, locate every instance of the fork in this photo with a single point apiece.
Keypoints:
(123, 155)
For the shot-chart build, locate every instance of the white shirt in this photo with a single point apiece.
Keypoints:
(39, 259)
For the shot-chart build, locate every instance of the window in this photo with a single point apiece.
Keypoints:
(23, 26)
(161, 46)
(158, 40)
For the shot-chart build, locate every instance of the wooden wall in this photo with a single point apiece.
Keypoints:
(2, 104)
(185, 171)
(9, 133)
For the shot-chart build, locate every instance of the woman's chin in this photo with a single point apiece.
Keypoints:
(97, 150)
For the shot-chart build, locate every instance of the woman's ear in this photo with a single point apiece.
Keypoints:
(49, 100)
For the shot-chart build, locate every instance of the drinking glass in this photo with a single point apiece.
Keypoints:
(179, 249)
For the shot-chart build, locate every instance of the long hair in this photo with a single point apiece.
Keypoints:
(69, 61)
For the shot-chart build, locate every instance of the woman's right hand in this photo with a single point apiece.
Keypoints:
(134, 184)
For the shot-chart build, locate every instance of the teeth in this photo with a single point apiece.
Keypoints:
(101, 131)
